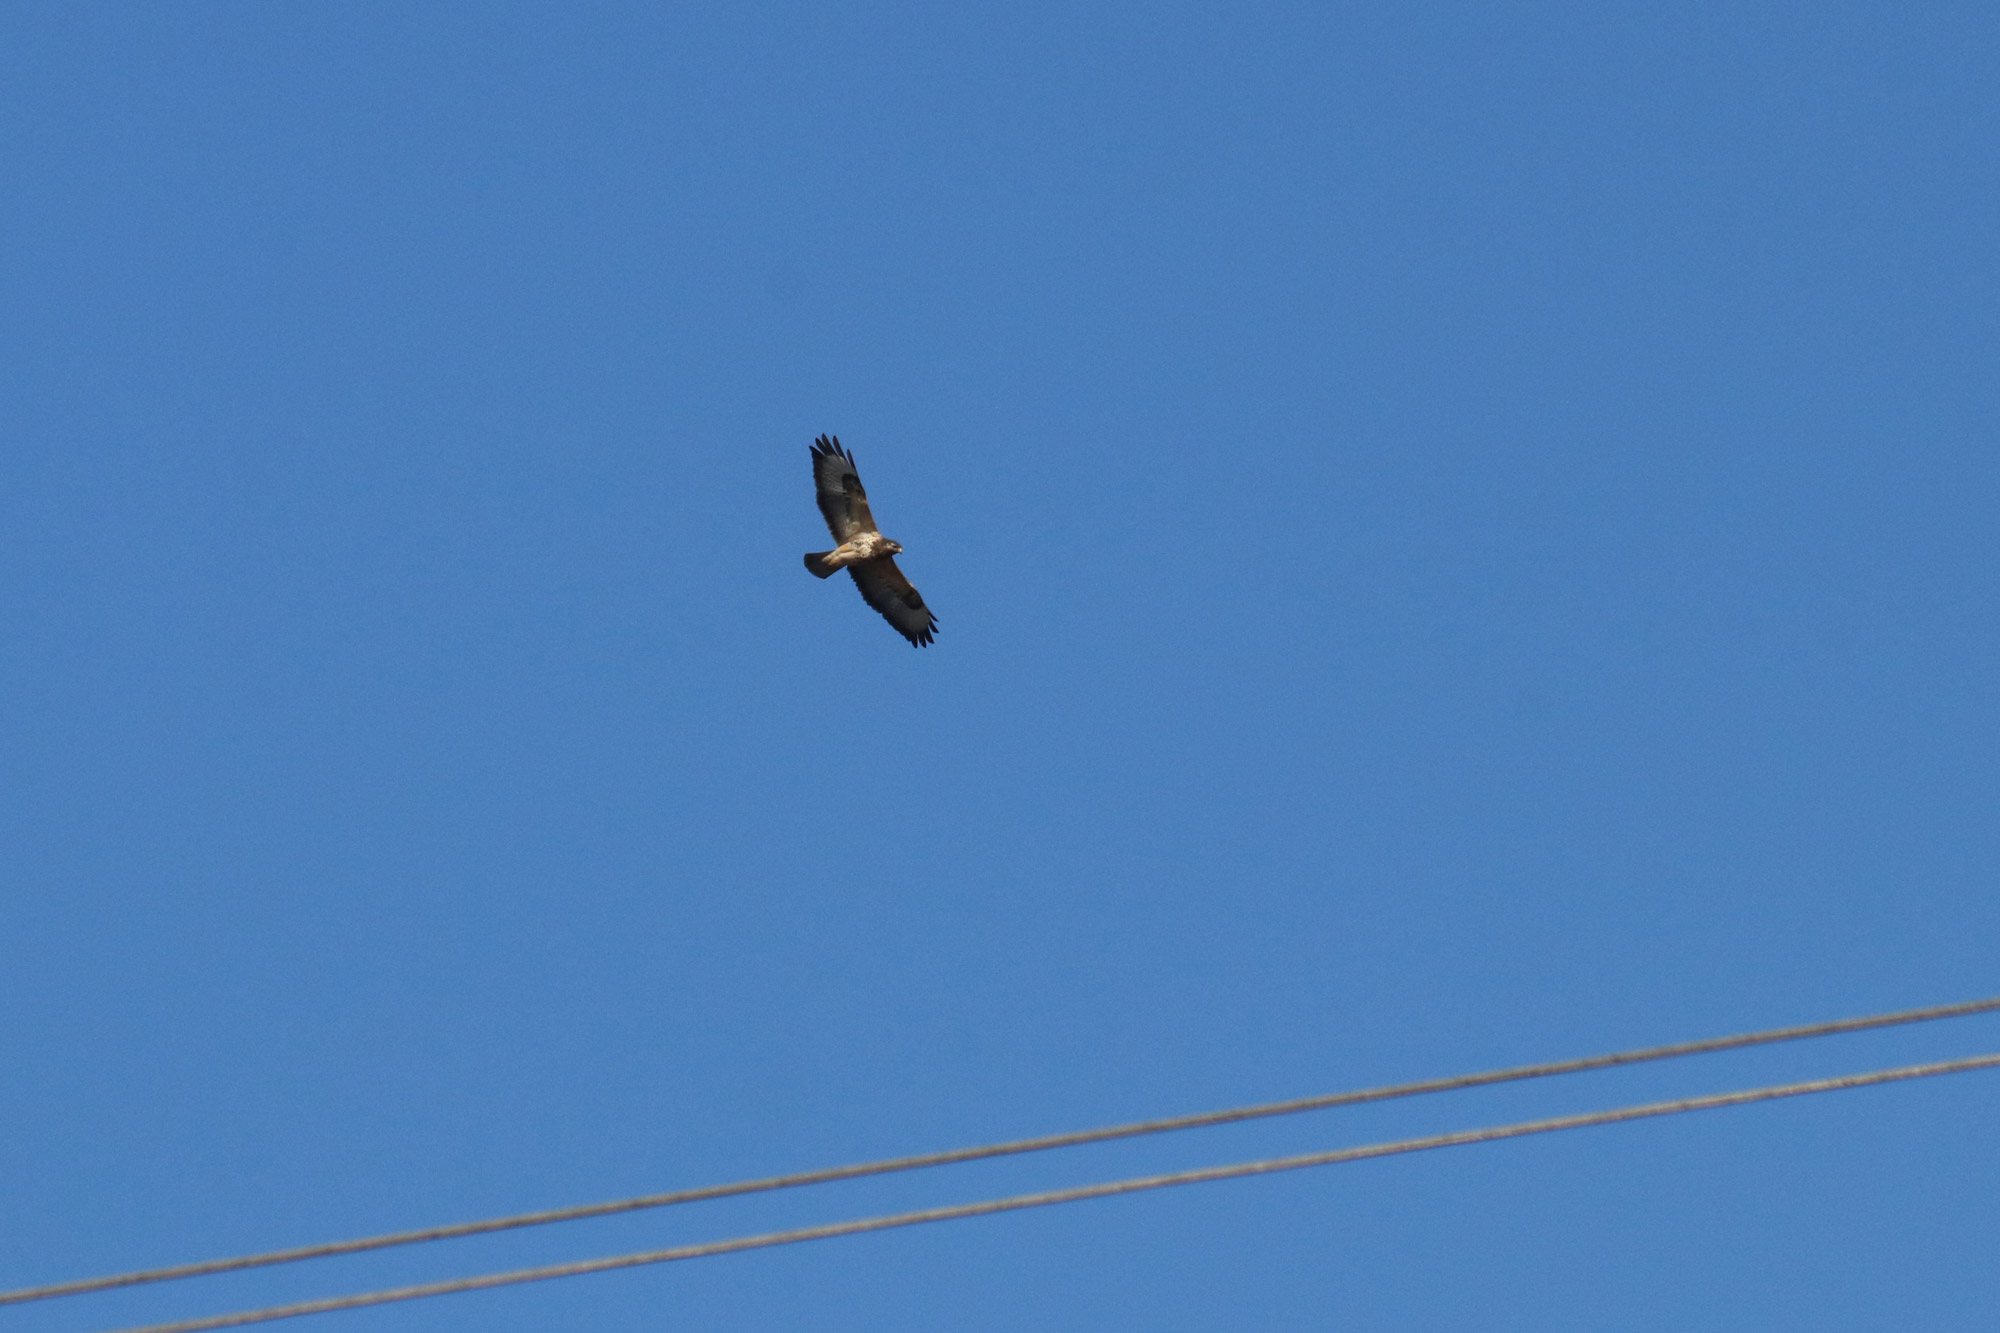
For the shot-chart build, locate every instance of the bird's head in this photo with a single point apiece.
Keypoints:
(893, 548)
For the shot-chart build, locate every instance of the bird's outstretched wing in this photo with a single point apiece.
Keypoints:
(884, 588)
(841, 499)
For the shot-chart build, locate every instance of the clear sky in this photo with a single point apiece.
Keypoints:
(1464, 534)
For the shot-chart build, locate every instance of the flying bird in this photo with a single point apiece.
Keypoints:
(867, 556)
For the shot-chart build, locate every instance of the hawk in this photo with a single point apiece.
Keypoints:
(867, 556)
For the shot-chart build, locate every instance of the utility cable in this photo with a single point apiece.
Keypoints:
(1076, 1194)
(1075, 1138)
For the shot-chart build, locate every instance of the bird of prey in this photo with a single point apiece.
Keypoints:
(867, 556)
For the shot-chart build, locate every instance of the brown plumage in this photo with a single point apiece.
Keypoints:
(867, 556)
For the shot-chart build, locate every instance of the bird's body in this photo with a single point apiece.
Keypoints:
(868, 557)
(868, 546)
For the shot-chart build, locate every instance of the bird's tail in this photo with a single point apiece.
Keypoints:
(819, 567)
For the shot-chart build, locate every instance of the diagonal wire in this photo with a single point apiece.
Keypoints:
(1075, 1138)
(1076, 1194)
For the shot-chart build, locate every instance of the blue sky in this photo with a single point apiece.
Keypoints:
(1464, 534)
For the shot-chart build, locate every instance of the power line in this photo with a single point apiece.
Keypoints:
(1075, 1138)
(1076, 1194)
